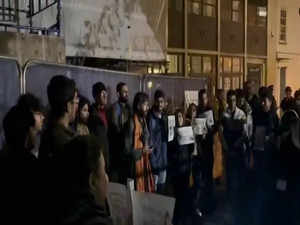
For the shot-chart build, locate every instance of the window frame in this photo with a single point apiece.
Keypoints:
(283, 26)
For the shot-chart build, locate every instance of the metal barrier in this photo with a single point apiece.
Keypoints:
(37, 74)
(174, 87)
(10, 87)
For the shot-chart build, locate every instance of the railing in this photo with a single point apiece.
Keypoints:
(10, 11)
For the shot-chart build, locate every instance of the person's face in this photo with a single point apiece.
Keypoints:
(99, 183)
(250, 89)
(266, 104)
(39, 121)
(102, 98)
(288, 94)
(73, 107)
(241, 102)
(204, 100)
(84, 113)
(194, 112)
(123, 94)
(180, 119)
(231, 101)
(144, 108)
(160, 104)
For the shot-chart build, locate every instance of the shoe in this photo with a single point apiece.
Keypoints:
(198, 212)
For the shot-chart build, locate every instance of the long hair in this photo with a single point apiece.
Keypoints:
(139, 98)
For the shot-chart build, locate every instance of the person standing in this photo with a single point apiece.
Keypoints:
(138, 146)
(119, 115)
(158, 128)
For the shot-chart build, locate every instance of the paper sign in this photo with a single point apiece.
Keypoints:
(209, 115)
(199, 126)
(152, 209)
(119, 202)
(185, 135)
(281, 185)
(171, 126)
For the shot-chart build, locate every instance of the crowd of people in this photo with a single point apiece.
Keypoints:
(63, 178)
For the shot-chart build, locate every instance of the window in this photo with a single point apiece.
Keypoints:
(283, 15)
(235, 16)
(261, 17)
(175, 63)
(202, 7)
(209, 8)
(231, 64)
(201, 64)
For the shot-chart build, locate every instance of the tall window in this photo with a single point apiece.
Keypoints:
(200, 64)
(175, 63)
(283, 16)
(202, 7)
(235, 13)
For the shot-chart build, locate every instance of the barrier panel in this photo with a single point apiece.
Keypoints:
(38, 74)
(10, 88)
(174, 87)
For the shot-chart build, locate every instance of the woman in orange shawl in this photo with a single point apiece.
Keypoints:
(137, 145)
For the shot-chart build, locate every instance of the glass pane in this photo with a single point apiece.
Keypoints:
(207, 64)
(235, 5)
(221, 65)
(175, 63)
(227, 83)
(235, 16)
(196, 64)
(209, 10)
(283, 21)
(236, 65)
(227, 64)
(283, 13)
(196, 8)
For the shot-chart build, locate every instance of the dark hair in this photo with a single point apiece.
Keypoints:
(78, 161)
(202, 92)
(288, 88)
(120, 85)
(176, 116)
(287, 104)
(231, 93)
(240, 93)
(97, 89)
(189, 110)
(60, 90)
(139, 98)
(297, 93)
(159, 94)
(265, 92)
(82, 102)
(30, 102)
(16, 125)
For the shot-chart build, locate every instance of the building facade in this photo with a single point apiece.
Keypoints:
(225, 40)
(284, 48)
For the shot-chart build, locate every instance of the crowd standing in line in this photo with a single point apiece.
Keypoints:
(65, 180)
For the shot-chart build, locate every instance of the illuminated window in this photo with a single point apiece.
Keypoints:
(283, 15)
(175, 63)
(209, 8)
(235, 16)
(202, 7)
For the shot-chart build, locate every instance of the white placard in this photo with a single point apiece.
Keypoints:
(199, 126)
(119, 202)
(281, 185)
(171, 126)
(152, 209)
(185, 135)
(209, 115)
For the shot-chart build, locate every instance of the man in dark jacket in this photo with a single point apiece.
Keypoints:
(159, 138)
(264, 151)
(98, 121)
(120, 113)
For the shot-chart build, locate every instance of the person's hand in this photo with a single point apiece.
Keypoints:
(147, 150)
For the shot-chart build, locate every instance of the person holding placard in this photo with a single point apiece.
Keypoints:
(204, 160)
(234, 128)
(180, 167)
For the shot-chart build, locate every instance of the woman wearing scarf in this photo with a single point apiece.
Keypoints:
(137, 145)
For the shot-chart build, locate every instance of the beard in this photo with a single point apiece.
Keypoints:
(123, 100)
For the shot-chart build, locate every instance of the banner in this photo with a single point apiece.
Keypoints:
(171, 126)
